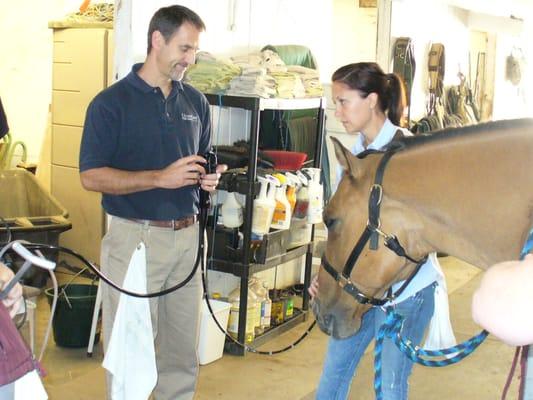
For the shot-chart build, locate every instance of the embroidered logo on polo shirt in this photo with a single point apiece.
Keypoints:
(189, 117)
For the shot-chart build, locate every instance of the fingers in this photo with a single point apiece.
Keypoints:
(221, 168)
(313, 287)
(191, 159)
(191, 178)
(209, 182)
(14, 298)
(16, 307)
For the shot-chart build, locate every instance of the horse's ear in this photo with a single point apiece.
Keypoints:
(345, 157)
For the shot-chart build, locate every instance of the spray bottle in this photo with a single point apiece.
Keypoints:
(316, 197)
(302, 197)
(282, 213)
(264, 206)
(292, 185)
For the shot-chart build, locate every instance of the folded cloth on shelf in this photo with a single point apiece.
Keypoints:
(211, 74)
(130, 355)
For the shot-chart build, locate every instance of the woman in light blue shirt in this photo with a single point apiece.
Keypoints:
(370, 104)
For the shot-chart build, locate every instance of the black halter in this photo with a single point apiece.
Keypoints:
(371, 233)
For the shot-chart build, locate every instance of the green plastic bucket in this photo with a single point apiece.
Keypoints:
(74, 313)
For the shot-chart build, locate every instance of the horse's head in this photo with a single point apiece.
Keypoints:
(346, 216)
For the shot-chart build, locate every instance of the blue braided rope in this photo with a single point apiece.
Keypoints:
(528, 246)
(391, 328)
(393, 325)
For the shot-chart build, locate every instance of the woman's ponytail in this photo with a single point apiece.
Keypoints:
(395, 96)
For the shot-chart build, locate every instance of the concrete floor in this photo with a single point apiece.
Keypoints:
(293, 375)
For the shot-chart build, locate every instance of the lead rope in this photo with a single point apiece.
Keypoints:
(392, 327)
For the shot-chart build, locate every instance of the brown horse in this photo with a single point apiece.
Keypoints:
(466, 192)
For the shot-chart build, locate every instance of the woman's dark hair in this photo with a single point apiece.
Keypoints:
(167, 20)
(368, 77)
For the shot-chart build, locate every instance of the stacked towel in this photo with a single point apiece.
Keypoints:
(253, 81)
(261, 74)
(310, 80)
(288, 85)
(211, 74)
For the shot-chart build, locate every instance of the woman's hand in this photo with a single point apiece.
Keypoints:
(313, 287)
(14, 297)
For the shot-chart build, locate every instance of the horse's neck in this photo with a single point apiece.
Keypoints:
(473, 195)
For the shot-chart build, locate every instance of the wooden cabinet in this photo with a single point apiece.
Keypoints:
(82, 67)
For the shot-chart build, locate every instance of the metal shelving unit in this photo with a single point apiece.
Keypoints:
(245, 268)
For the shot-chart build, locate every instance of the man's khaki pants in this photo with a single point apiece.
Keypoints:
(170, 257)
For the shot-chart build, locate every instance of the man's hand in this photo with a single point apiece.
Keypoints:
(184, 172)
(210, 182)
(14, 297)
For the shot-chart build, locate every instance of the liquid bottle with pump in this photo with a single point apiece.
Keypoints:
(316, 196)
(232, 212)
(264, 206)
(260, 290)
(282, 213)
(302, 196)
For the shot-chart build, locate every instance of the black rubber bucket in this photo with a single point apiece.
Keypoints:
(73, 316)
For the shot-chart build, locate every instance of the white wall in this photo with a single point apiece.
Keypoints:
(255, 24)
(440, 24)
(512, 101)
(26, 66)
(354, 40)
(451, 26)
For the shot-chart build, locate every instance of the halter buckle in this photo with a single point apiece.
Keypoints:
(343, 281)
(384, 235)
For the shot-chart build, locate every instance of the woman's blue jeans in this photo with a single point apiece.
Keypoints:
(344, 355)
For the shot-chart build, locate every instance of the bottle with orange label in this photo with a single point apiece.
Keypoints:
(282, 213)
(292, 186)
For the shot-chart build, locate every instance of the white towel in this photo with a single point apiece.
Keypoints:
(130, 355)
(440, 332)
(30, 386)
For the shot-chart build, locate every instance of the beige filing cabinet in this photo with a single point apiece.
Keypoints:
(82, 67)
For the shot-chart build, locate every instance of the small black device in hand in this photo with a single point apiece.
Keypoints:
(211, 164)
(210, 168)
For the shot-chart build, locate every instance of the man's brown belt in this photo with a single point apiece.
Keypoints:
(174, 224)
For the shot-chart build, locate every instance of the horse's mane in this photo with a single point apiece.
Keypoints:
(451, 133)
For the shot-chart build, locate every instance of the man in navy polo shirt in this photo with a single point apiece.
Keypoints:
(140, 147)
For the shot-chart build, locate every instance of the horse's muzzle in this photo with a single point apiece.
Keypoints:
(325, 322)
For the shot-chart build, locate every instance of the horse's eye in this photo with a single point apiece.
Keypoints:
(330, 222)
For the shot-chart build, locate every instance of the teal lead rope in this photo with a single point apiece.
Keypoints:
(528, 246)
(392, 327)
